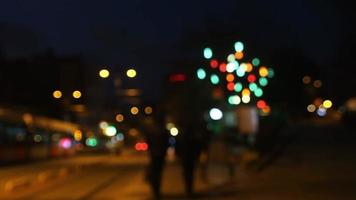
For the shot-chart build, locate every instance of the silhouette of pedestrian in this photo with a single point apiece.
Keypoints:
(189, 146)
(157, 139)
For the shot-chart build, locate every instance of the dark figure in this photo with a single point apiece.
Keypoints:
(157, 139)
(190, 143)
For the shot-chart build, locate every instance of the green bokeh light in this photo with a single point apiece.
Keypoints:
(255, 62)
(214, 79)
(263, 81)
(91, 142)
(238, 87)
(258, 92)
(270, 73)
(201, 73)
(208, 53)
(253, 86)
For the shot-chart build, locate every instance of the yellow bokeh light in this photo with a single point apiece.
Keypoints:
(246, 92)
(77, 94)
(230, 77)
(104, 73)
(57, 94)
(119, 118)
(327, 104)
(134, 110)
(263, 71)
(249, 67)
(148, 110)
(78, 135)
(131, 73)
(174, 131)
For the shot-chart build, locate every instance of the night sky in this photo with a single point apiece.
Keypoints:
(148, 34)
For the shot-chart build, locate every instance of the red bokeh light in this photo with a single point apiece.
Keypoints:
(222, 67)
(141, 146)
(251, 78)
(214, 63)
(231, 86)
(261, 104)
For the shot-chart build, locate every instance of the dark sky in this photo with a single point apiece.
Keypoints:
(141, 33)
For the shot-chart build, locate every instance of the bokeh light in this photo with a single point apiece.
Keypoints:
(57, 94)
(246, 99)
(327, 104)
(215, 114)
(239, 55)
(251, 78)
(230, 77)
(239, 46)
(214, 79)
(261, 104)
(104, 73)
(253, 86)
(249, 67)
(231, 58)
(246, 92)
(222, 67)
(131, 73)
(306, 79)
(255, 62)
(119, 118)
(263, 81)
(134, 110)
(91, 142)
(174, 131)
(321, 112)
(238, 87)
(230, 86)
(78, 135)
(148, 110)
(110, 131)
(214, 63)
(208, 53)
(234, 100)
(258, 92)
(201, 74)
(103, 124)
(317, 83)
(311, 108)
(270, 73)
(263, 71)
(230, 67)
(77, 94)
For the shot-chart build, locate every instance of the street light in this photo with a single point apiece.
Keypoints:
(131, 73)
(77, 94)
(104, 73)
(119, 118)
(57, 94)
(134, 110)
(148, 110)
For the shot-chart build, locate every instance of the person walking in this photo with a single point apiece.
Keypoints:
(157, 140)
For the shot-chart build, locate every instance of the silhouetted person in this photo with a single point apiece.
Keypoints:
(190, 143)
(157, 139)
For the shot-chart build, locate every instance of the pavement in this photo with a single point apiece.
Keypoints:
(319, 163)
